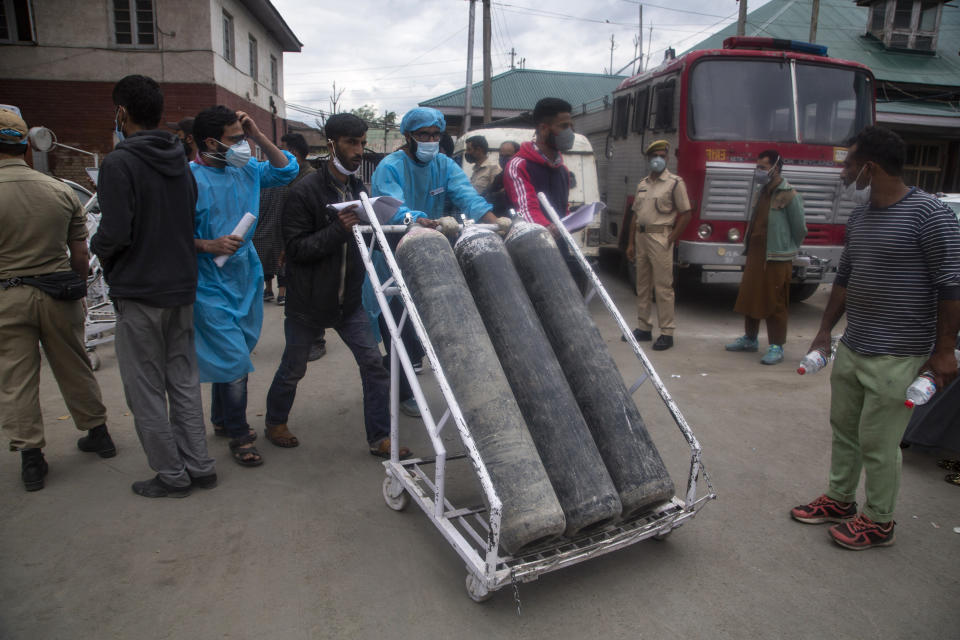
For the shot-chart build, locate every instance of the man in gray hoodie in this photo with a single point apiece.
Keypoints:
(146, 247)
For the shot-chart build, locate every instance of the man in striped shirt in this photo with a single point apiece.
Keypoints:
(899, 284)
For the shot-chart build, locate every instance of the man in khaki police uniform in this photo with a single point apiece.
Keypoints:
(661, 211)
(40, 220)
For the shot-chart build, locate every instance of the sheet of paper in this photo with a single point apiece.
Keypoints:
(384, 206)
(241, 230)
(582, 216)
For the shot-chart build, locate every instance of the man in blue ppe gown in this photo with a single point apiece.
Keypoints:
(228, 312)
(424, 180)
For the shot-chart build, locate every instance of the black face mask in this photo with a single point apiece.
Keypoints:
(469, 157)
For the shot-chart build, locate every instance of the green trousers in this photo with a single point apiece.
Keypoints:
(868, 419)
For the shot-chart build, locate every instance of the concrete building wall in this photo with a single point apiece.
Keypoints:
(76, 42)
(235, 76)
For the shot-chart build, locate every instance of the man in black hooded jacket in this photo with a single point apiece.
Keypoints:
(146, 247)
(324, 279)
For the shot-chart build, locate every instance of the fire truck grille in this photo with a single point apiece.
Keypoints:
(728, 190)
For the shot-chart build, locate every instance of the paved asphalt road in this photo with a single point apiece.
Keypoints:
(304, 547)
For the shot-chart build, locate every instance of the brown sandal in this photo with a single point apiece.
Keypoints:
(382, 450)
(953, 478)
(280, 436)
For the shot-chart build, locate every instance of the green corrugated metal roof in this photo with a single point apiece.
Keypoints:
(841, 26)
(519, 89)
(919, 109)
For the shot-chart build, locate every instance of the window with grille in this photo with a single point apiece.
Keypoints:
(254, 63)
(620, 123)
(906, 24)
(923, 166)
(662, 117)
(229, 50)
(640, 107)
(274, 75)
(16, 21)
(134, 24)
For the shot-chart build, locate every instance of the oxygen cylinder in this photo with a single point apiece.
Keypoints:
(531, 513)
(573, 463)
(632, 459)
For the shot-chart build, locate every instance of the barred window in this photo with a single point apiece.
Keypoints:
(134, 23)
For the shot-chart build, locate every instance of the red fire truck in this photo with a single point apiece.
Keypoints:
(720, 108)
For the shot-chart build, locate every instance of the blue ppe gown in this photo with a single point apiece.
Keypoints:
(228, 312)
(423, 189)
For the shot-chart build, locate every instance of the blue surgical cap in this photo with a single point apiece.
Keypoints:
(422, 117)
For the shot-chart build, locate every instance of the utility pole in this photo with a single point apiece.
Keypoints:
(513, 53)
(612, 47)
(814, 14)
(640, 43)
(468, 99)
(487, 64)
(742, 20)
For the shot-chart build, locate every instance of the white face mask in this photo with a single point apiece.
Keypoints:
(657, 164)
(761, 177)
(859, 196)
(239, 154)
(337, 163)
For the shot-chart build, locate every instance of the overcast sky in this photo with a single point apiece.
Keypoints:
(395, 53)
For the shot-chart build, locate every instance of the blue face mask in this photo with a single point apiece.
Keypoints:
(657, 164)
(503, 160)
(427, 151)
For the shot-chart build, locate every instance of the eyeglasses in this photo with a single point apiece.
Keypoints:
(425, 136)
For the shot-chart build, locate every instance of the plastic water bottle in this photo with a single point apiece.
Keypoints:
(813, 362)
(921, 390)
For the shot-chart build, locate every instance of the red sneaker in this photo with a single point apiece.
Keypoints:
(862, 533)
(824, 509)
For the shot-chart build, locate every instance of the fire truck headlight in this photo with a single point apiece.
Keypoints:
(704, 231)
(733, 235)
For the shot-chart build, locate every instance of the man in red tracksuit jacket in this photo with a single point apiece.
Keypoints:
(538, 167)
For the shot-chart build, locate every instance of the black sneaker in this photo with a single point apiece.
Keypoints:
(317, 351)
(640, 335)
(98, 441)
(33, 468)
(663, 343)
(203, 482)
(157, 488)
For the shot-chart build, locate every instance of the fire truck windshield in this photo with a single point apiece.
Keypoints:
(737, 99)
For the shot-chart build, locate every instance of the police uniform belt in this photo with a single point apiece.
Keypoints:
(654, 228)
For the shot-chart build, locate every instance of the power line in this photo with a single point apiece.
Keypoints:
(442, 42)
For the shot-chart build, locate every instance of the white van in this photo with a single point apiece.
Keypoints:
(580, 163)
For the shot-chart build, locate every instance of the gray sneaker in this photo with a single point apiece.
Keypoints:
(743, 343)
(409, 408)
(774, 355)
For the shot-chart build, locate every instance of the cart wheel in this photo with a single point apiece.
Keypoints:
(94, 360)
(477, 591)
(394, 494)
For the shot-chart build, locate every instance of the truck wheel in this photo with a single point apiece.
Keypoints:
(801, 291)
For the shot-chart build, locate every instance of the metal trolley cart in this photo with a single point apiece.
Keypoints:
(101, 319)
(474, 531)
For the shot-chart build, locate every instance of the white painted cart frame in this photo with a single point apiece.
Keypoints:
(474, 532)
(101, 318)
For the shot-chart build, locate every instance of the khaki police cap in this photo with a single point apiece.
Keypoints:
(657, 145)
(13, 129)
